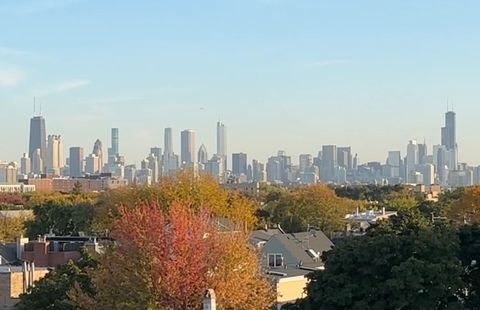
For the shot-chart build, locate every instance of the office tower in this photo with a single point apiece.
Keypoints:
(168, 141)
(144, 175)
(329, 163)
(76, 162)
(152, 163)
(412, 158)
(54, 156)
(239, 164)
(305, 162)
(157, 152)
(449, 140)
(428, 172)
(38, 138)
(25, 164)
(92, 164)
(258, 171)
(422, 153)
(98, 151)
(249, 173)
(441, 154)
(202, 155)
(114, 150)
(222, 142)
(394, 161)
(188, 146)
(344, 157)
(8, 173)
(216, 168)
(37, 162)
(274, 170)
(130, 174)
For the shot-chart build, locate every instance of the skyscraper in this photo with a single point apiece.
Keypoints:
(37, 162)
(114, 150)
(222, 142)
(168, 147)
(239, 164)
(329, 163)
(98, 152)
(202, 155)
(344, 157)
(188, 146)
(449, 140)
(412, 159)
(25, 164)
(76, 162)
(54, 156)
(305, 162)
(38, 139)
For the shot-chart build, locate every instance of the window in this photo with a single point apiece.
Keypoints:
(275, 260)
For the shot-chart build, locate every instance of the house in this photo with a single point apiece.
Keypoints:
(286, 259)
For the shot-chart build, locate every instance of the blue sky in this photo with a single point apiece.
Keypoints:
(281, 74)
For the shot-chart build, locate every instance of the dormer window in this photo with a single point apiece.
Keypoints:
(275, 260)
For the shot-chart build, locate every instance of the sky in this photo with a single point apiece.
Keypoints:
(287, 75)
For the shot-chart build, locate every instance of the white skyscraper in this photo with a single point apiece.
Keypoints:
(222, 142)
(54, 156)
(25, 164)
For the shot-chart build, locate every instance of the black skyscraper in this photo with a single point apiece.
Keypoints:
(38, 137)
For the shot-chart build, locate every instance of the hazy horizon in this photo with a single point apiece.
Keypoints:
(281, 74)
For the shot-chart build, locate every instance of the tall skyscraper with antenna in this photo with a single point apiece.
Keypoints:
(449, 140)
(38, 138)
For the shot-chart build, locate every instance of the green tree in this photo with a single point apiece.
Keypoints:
(62, 218)
(52, 291)
(401, 265)
(470, 257)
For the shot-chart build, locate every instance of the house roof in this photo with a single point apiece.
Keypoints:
(8, 252)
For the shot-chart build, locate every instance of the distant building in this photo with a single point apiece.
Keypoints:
(239, 164)
(222, 142)
(76, 162)
(38, 140)
(8, 172)
(202, 155)
(329, 163)
(188, 146)
(305, 162)
(54, 156)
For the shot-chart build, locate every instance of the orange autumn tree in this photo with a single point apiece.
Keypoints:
(185, 187)
(166, 259)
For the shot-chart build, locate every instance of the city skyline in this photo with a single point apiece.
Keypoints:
(296, 76)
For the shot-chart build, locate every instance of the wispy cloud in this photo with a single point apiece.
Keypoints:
(70, 85)
(329, 62)
(12, 51)
(62, 87)
(10, 78)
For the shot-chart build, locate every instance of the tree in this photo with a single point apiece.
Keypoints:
(167, 258)
(466, 209)
(470, 256)
(51, 292)
(185, 188)
(11, 228)
(62, 218)
(396, 268)
(314, 205)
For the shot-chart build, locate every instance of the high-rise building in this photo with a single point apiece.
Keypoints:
(188, 146)
(222, 142)
(412, 158)
(422, 153)
(98, 152)
(394, 161)
(202, 154)
(215, 168)
(329, 163)
(8, 173)
(92, 164)
(168, 141)
(344, 157)
(25, 164)
(114, 150)
(76, 162)
(305, 162)
(449, 139)
(38, 139)
(153, 164)
(37, 162)
(258, 171)
(239, 164)
(54, 156)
